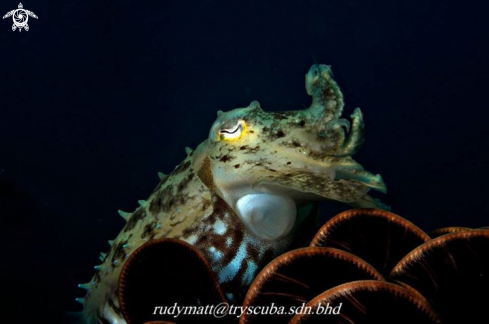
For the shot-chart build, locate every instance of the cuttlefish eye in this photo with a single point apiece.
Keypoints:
(232, 132)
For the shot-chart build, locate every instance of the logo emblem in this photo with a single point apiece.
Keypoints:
(20, 17)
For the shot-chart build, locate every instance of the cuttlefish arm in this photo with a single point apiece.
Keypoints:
(326, 108)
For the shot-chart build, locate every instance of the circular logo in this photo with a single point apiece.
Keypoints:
(20, 18)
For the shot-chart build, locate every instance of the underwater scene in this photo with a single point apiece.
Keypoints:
(294, 161)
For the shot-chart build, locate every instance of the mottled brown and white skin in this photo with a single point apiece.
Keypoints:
(236, 196)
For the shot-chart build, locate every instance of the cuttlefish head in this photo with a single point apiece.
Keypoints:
(266, 164)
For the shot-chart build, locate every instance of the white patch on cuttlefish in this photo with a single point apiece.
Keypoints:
(219, 227)
(191, 239)
(216, 254)
(110, 315)
(250, 272)
(231, 270)
(229, 241)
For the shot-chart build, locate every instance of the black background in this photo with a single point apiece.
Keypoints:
(98, 96)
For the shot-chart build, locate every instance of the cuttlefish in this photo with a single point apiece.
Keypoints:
(238, 196)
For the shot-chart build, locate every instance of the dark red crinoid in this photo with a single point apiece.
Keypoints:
(363, 266)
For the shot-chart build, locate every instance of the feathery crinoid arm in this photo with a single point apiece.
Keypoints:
(8, 14)
(30, 13)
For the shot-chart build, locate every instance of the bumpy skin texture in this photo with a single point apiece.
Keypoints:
(235, 196)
